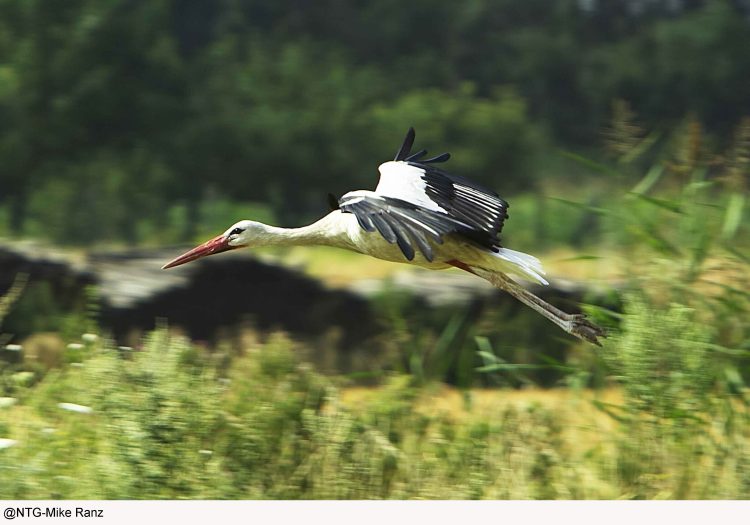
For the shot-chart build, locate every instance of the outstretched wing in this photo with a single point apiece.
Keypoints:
(401, 222)
(416, 186)
(433, 189)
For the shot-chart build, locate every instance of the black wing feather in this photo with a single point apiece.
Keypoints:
(406, 146)
(403, 223)
(402, 238)
(333, 202)
(384, 227)
(422, 221)
(480, 207)
(414, 157)
(365, 222)
(471, 210)
(440, 158)
(419, 238)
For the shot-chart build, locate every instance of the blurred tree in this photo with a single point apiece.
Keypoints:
(180, 99)
(86, 77)
(491, 139)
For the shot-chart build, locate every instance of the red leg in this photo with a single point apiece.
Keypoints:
(462, 265)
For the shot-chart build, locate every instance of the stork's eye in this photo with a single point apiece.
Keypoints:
(236, 231)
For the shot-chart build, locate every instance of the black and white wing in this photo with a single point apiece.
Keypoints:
(415, 201)
(401, 222)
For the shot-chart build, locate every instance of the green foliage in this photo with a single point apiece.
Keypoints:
(681, 351)
(84, 202)
(490, 138)
(106, 108)
(684, 418)
(149, 425)
(12, 295)
(153, 425)
(664, 360)
(148, 434)
(161, 422)
(36, 310)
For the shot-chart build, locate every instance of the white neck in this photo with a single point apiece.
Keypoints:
(328, 231)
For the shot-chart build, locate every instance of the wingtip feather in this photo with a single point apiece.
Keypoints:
(403, 152)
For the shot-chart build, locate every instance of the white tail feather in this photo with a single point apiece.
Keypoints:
(525, 265)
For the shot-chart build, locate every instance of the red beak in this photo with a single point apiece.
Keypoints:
(216, 245)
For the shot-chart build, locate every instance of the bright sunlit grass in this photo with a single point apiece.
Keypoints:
(334, 266)
(166, 423)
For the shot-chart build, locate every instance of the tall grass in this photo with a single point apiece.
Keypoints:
(169, 421)
(165, 423)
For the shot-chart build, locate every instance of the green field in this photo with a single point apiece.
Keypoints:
(167, 423)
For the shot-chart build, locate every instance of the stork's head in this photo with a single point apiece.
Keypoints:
(237, 236)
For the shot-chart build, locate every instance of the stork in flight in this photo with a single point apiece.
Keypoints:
(420, 215)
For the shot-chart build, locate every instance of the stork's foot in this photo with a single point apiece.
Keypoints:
(581, 327)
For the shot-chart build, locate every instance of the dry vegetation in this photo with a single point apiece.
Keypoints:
(166, 422)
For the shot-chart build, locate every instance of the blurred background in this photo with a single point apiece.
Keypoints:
(618, 131)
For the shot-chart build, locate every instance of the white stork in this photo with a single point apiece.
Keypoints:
(420, 215)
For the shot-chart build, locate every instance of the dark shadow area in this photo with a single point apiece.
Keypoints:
(225, 292)
(211, 295)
